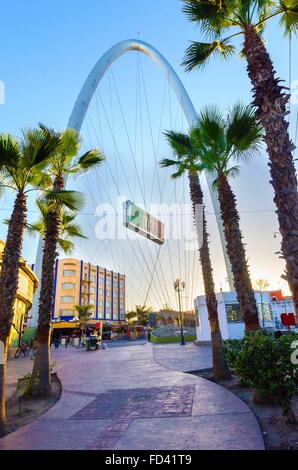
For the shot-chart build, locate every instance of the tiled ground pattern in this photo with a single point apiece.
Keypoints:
(123, 406)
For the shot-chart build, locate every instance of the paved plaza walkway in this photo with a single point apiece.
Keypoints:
(128, 398)
(188, 358)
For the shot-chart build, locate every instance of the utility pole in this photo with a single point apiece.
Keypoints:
(179, 287)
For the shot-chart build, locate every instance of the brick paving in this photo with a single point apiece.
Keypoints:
(140, 403)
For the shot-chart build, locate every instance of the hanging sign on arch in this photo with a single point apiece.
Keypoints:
(143, 223)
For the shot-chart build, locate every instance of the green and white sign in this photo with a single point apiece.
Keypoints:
(140, 221)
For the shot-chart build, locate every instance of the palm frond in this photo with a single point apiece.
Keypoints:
(68, 217)
(36, 228)
(179, 142)
(198, 53)
(91, 158)
(197, 10)
(289, 16)
(40, 179)
(10, 151)
(38, 147)
(73, 230)
(197, 167)
(232, 172)
(166, 162)
(66, 245)
(48, 132)
(71, 142)
(244, 134)
(212, 16)
(211, 125)
(73, 200)
(179, 173)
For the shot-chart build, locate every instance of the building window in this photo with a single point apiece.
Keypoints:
(67, 300)
(100, 303)
(101, 281)
(108, 304)
(92, 290)
(92, 278)
(66, 313)
(108, 282)
(108, 293)
(266, 311)
(69, 273)
(68, 285)
(100, 292)
(233, 313)
(92, 302)
(108, 315)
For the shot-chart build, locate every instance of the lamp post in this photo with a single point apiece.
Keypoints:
(179, 288)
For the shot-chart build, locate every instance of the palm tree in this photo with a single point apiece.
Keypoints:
(248, 19)
(21, 165)
(62, 164)
(142, 313)
(224, 141)
(69, 229)
(84, 313)
(131, 317)
(187, 152)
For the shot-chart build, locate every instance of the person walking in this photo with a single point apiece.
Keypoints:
(57, 341)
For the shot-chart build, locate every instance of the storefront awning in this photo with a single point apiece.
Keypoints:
(65, 325)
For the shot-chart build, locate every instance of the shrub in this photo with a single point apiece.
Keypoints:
(231, 349)
(26, 383)
(25, 386)
(264, 362)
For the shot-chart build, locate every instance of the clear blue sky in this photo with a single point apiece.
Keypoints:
(48, 48)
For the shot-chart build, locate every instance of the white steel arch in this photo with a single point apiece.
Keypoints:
(83, 102)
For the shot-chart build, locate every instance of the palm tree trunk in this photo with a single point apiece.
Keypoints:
(8, 288)
(271, 103)
(237, 255)
(41, 367)
(3, 366)
(220, 368)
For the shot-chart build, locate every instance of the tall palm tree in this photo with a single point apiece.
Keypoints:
(63, 163)
(84, 314)
(21, 169)
(247, 19)
(187, 152)
(226, 140)
(142, 313)
(131, 317)
(69, 229)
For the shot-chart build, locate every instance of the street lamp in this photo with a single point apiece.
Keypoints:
(179, 287)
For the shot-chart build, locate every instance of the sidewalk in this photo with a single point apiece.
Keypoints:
(122, 399)
(188, 358)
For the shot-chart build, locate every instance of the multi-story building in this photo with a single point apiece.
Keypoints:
(27, 286)
(271, 305)
(80, 283)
